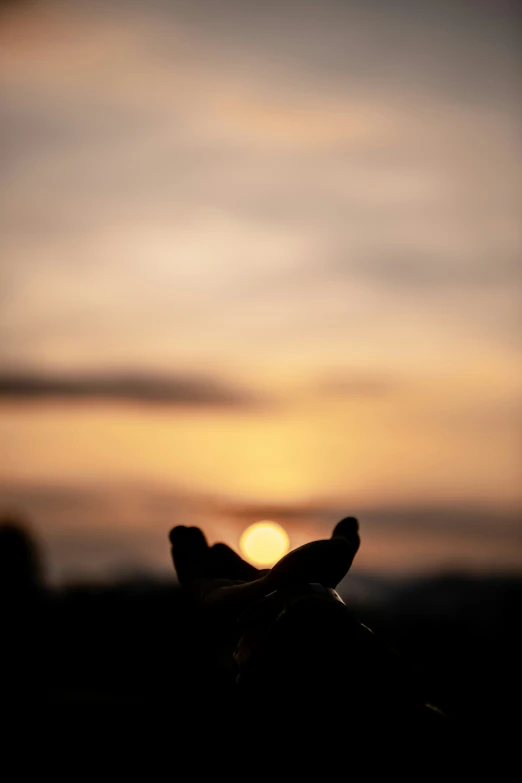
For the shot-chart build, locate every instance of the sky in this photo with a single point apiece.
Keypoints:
(262, 260)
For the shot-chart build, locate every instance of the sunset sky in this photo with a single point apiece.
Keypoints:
(262, 260)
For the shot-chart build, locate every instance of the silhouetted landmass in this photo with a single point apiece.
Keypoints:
(462, 633)
(143, 643)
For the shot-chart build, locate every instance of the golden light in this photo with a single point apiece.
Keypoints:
(264, 543)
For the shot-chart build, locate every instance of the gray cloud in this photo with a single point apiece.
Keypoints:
(465, 49)
(181, 390)
(457, 521)
(424, 270)
(356, 385)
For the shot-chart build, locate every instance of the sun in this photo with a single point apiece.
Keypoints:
(264, 543)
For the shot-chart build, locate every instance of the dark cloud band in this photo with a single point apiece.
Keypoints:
(181, 390)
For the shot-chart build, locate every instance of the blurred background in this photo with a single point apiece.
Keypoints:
(261, 260)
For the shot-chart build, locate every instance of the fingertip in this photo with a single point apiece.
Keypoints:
(347, 528)
(196, 537)
(175, 533)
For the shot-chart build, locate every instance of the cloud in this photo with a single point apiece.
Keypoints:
(181, 390)
(424, 269)
(173, 172)
(356, 385)
(99, 531)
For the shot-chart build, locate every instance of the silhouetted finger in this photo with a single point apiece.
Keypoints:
(180, 532)
(348, 528)
(224, 562)
(326, 562)
(190, 553)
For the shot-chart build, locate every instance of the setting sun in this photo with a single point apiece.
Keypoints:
(264, 543)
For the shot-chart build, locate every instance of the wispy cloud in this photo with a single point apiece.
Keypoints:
(179, 391)
(357, 385)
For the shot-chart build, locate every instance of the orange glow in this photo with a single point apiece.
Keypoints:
(192, 194)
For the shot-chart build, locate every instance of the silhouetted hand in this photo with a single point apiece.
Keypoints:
(218, 577)
(299, 650)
